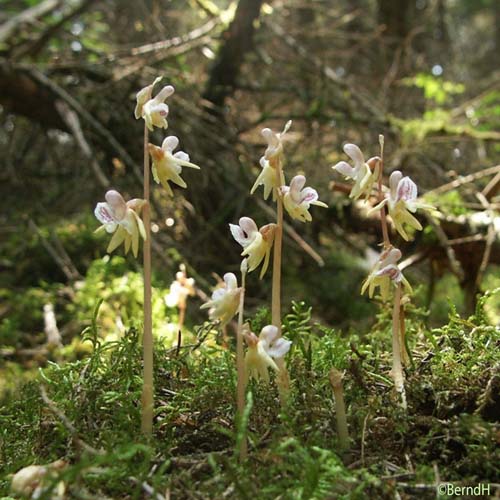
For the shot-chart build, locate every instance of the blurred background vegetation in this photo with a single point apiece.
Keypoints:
(422, 72)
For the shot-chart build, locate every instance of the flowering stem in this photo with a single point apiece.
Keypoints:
(397, 368)
(283, 379)
(383, 217)
(278, 243)
(240, 365)
(147, 339)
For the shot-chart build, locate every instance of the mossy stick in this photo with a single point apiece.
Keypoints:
(240, 363)
(340, 413)
(147, 389)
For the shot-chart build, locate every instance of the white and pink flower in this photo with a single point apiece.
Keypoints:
(263, 351)
(225, 300)
(385, 272)
(297, 199)
(153, 110)
(256, 243)
(361, 173)
(122, 219)
(167, 165)
(402, 202)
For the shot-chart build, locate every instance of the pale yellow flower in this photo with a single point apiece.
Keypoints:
(122, 219)
(256, 243)
(153, 110)
(361, 173)
(297, 199)
(270, 177)
(275, 141)
(402, 201)
(262, 352)
(385, 272)
(167, 165)
(225, 300)
(180, 289)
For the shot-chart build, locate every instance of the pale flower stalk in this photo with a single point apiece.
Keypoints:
(225, 300)
(297, 199)
(167, 165)
(256, 243)
(364, 174)
(267, 351)
(121, 219)
(153, 110)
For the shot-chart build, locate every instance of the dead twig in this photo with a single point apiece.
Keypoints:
(71, 119)
(67, 423)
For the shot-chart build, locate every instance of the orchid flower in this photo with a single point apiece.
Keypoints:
(298, 199)
(122, 219)
(153, 110)
(274, 141)
(270, 177)
(225, 300)
(384, 272)
(361, 173)
(401, 200)
(256, 242)
(180, 290)
(167, 165)
(263, 351)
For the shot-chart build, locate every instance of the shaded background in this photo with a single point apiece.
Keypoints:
(424, 73)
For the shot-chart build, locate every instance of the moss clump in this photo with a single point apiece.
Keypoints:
(451, 425)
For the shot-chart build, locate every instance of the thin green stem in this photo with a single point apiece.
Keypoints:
(147, 389)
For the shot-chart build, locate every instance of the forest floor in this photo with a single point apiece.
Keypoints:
(86, 412)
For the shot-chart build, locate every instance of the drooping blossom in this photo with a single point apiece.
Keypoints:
(122, 219)
(385, 272)
(271, 177)
(297, 199)
(256, 243)
(363, 176)
(167, 165)
(225, 300)
(180, 289)
(263, 351)
(402, 202)
(153, 110)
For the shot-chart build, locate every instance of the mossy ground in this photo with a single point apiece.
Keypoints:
(91, 418)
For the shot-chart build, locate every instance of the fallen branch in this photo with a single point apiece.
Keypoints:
(27, 16)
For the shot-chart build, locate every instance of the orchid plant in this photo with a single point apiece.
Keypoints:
(296, 200)
(123, 219)
(401, 201)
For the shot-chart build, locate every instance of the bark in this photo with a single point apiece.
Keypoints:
(23, 95)
(237, 42)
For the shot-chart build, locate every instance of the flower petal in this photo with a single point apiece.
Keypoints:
(170, 143)
(354, 153)
(342, 167)
(279, 348)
